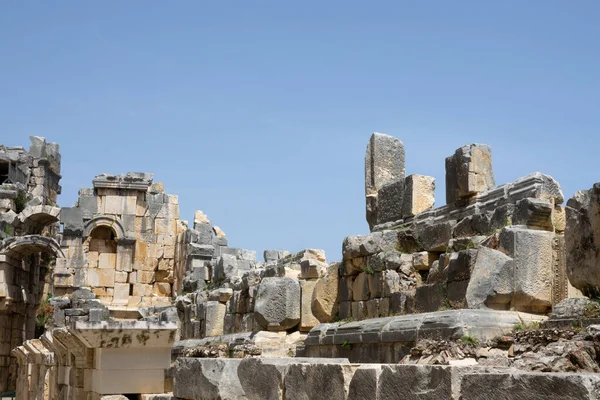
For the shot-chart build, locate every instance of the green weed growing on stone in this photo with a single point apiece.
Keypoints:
(468, 340)
(524, 326)
(346, 345)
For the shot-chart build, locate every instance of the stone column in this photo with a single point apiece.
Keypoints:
(384, 166)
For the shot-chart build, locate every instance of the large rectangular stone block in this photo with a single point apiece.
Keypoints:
(468, 172)
(419, 195)
(384, 164)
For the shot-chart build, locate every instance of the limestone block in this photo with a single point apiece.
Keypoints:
(106, 277)
(312, 269)
(345, 288)
(532, 253)
(324, 300)
(384, 164)
(363, 385)
(277, 304)
(360, 287)
(415, 381)
(436, 236)
(582, 239)
(226, 268)
(107, 260)
(162, 289)
(422, 260)
(318, 381)
(500, 385)
(93, 257)
(274, 255)
(376, 242)
(534, 213)
(93, 278)
(419, 195)
(121, 277)
(492, 281)
(121, 293)
(213, 314)
(559, 219)
(468, 172)
(145, 277)
(390, 200)
(307, 318)
(72, 220)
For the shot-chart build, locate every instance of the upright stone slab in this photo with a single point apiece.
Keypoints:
(419, 195)
(277, 306)
(532, 254)
(468, 172)
(384, 164)
(582, 236)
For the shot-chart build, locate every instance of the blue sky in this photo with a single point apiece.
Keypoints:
(258, 113)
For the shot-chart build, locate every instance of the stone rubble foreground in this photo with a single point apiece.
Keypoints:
(128, 299)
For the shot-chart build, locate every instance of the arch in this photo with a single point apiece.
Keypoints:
(104, 220)
(33, 219)
(24, 245)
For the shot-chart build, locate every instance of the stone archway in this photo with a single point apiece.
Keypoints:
(25, 262)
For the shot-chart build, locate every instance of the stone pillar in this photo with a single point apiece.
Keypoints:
(468, 172)
(384, 165)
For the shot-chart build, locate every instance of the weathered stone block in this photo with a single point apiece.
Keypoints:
(436, 236)
(534, 213)
(360, 287)
(492, 280)
(384, 164)
(532, 253)
(582, 240)
(277, 304)
(307, 318)
(468, 172)
(325, 295)
(213, 314)
(419, 195)
(312, 269)
(390, 202)
(415, 382)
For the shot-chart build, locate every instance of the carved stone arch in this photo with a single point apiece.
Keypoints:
(29, 244)
(33, 219)
(107, 221)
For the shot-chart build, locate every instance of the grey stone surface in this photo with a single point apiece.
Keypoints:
(530, 386)
(582, 239)
(72, 220)
(207, 379)
(492, 280)
(436, 236)
(415, 382)
(534, 213)
(277, 304)
(468, 172)
(532, 254)
(376, 242)
(317, 381)
(384, 164)
(390, 202)
(363, 385)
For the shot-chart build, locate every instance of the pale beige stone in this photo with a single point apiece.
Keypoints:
(422, 261)
(106, 277)
(145, 276)
(93, 258)
(121, 293)
(107, 260)
(559, 219)
(307, 318)
(324, 300)
(200, 218)
(419, 195)
(121, 277)
(162, 289)
(93, 277)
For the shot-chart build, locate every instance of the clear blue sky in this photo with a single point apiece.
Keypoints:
(258, 113)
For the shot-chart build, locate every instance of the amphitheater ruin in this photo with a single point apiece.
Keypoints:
(493, 295)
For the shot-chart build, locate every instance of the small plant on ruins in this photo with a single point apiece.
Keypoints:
(368, 270)
(524, 326)
(468, 340)
(346, 345)
(347, 320)
(44, 312)
(20, 201)
(592, 310)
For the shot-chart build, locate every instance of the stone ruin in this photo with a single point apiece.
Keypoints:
(491, 295)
